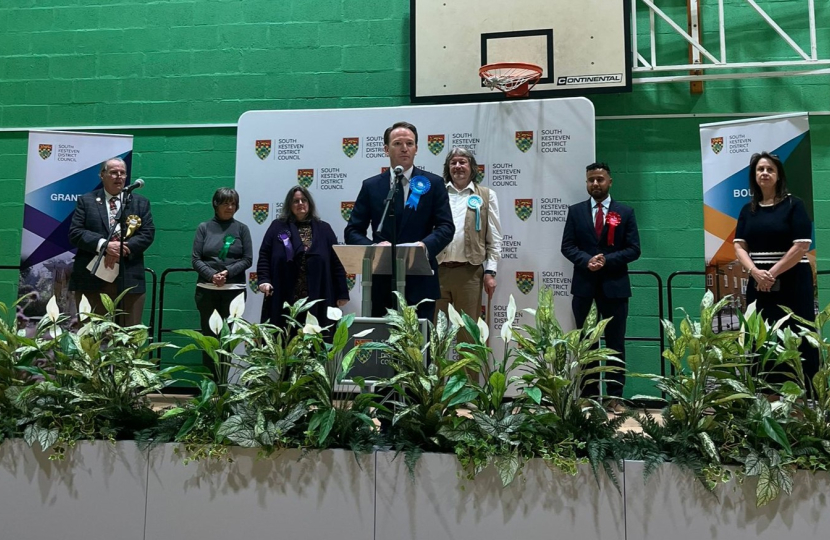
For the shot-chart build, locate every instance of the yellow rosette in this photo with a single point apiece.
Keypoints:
(133, 223)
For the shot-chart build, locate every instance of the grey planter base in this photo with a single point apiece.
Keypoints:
(674, 505)
(539, 504)
(323, 495)
(97, 492)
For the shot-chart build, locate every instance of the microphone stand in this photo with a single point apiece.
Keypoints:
(126, 199)
(389, 214)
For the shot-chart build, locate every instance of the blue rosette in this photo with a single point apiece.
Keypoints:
(418, 185)
(474, 202)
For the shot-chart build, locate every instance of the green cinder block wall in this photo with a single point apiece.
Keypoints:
(94, 64)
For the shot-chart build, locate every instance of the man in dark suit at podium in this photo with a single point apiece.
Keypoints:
(94, 215)
(601, 239)
(422, 213)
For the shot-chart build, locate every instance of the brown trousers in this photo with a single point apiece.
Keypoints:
(132, 304)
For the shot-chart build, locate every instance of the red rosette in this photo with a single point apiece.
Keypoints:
(612, 220)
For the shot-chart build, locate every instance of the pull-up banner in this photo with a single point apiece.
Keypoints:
(60, 167)
(531, 153)
(726, 149)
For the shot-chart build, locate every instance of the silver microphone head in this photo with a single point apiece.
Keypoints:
(398, 170)
(137, 184)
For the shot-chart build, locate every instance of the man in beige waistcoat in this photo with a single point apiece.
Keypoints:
(469, 262)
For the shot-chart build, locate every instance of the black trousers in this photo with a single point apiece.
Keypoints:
(208, 300)
(617, 310)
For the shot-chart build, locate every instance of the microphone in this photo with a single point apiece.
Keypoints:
(138, 184)
(398, 170)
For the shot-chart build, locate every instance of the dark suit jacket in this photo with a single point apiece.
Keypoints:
(325, 275)
(431, 224)
(580, 243)
(90, 223)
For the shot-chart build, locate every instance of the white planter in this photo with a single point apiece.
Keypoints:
(97, 492)
(674, 505)
(539, 504)
(323, 495)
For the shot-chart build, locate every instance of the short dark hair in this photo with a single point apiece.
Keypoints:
(755, 189)
(104, 164)
(601, 165)
(287, 215)
(397, 125)
(225, 194)
(463, 152)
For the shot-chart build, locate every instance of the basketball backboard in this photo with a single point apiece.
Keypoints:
(583, 46)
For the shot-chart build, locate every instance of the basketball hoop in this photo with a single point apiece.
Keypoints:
(515, 79)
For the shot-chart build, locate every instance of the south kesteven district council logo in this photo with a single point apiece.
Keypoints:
(523, 208)
(435, 143)
(346, 208)
(480, 174)
(717, 144)
(350, 146)
(44, 150)
(305, 177)
(351, 279)
(524, 140)
(252, 282)
(260, 213)
(263, 149)
(524, 281)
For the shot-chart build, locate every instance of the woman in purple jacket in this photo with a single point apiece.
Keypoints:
(297, 260)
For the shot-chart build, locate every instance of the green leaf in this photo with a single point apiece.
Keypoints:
(789, 388)
(507, 467)
(454, 384)
(47, 437)
(328, 423)
(341, 337)
(775, 432)
(535, 394)
(466, 395)
(236, 430)
(498, 384)
(768, 488)
(709, 446)
(752, 464)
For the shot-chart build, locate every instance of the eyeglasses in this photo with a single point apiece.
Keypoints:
(299, 201)
(117, 174)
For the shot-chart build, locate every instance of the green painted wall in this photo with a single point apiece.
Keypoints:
(90, 63)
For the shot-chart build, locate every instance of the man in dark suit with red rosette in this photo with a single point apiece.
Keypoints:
(422, 213)
(601, 239)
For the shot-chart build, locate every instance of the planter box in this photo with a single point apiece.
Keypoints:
(674, 505)
(539, 504)
(322, 495)
(97, 492)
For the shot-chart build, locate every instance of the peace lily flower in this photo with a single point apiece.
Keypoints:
(54, 312)
(238, 306)
(334, 314)
(506, 329)
(215, 322)
(84, 309)
(454, 317)
(483, 329)
(364, 333)
(312, 325)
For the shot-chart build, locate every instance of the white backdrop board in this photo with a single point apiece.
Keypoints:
(532, 153)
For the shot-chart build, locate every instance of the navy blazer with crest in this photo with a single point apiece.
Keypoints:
(580, 243)
(90, 223)
(431, 223)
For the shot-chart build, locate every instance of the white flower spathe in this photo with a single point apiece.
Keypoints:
(215, 322)
(334, 314)
(237, 306)
(84, 309)
(483, 329)
(312, 325)
(364, 333)
(454, 317)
